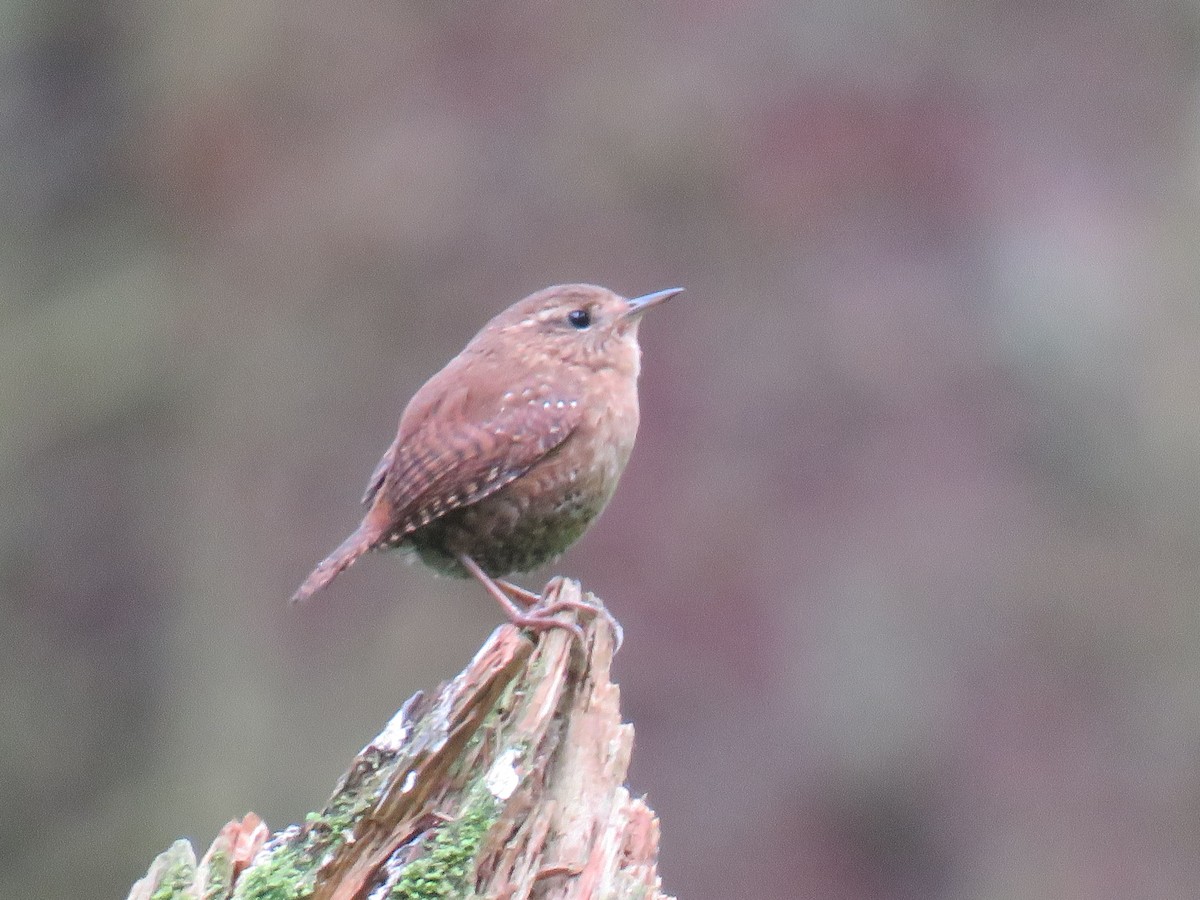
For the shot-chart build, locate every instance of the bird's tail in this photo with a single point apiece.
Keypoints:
(338, 561)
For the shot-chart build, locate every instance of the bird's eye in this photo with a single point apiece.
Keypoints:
(579, 318)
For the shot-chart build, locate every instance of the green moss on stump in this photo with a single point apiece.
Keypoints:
(447, 869)
(286, 875)
(220, 872)
(179, 873)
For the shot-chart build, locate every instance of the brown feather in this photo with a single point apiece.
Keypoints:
(504, 457)
(453, 448)
(447, 464)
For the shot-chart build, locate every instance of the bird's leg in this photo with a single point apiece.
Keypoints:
(542, 620)
(518, 593)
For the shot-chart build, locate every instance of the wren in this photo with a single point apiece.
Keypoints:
(505, 457)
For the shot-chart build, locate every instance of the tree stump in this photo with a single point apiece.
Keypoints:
(508, 782)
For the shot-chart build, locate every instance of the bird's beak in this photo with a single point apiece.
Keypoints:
(639, 305)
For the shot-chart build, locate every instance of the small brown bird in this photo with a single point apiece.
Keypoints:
(505, 456)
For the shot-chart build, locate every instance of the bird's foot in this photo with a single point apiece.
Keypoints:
(551, 602)
(548, 603)
(537, 617)
(546, 620)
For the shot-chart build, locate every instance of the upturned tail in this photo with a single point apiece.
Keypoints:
(338, 561)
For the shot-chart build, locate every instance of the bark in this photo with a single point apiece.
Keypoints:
(506, 782)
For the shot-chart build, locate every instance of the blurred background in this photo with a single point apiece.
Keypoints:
(907, 554)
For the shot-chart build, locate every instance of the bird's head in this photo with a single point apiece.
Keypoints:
(581, 324)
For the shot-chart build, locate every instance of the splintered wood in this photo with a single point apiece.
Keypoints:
(508, 782)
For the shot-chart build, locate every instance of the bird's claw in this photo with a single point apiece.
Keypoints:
(545, 620)
(552, 603)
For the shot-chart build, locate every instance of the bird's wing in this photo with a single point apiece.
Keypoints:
(466, 447)
(381, 470)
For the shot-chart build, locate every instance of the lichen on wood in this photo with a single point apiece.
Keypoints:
(508, 781)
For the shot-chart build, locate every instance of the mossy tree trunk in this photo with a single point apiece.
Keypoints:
(507, 782)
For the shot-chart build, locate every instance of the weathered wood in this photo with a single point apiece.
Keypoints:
(508, 782)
